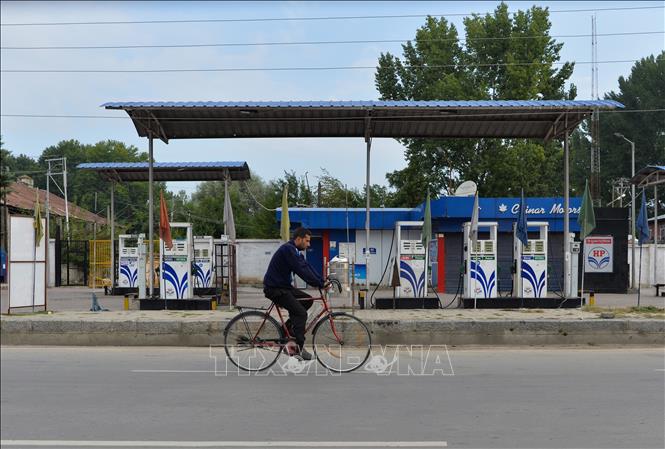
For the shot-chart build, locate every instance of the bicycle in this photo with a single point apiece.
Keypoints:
(254, 339)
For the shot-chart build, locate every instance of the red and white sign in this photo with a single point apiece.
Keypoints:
(598, 254)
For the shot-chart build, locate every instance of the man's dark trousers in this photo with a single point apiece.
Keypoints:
(287, 298)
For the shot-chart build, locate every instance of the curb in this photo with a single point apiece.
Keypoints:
(593, 332)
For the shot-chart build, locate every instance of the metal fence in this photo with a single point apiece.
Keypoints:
(100, 269)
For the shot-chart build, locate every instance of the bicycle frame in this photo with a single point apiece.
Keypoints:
(325, 311)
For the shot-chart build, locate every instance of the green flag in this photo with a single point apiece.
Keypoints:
(586, 218)
(427, 223)
(286, 223)
(39, 231)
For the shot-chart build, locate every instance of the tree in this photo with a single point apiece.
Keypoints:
(130, 197)
(5, 182)
(249, 200)
(436, 66)
(643, 89)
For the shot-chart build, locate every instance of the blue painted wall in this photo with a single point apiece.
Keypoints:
(448, 215)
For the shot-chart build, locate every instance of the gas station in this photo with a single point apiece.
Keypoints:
(544, 120)
(196, 267)
(449, 265)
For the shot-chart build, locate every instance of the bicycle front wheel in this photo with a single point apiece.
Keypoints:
(253, 341)
(341, 342)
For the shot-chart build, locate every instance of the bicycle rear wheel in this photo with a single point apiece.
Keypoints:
(253, 340)
(341, 342)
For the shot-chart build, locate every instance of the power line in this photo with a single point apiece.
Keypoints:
(244, 184)
(424, 116)
(344, 42)
(296, 19)
(287, 69)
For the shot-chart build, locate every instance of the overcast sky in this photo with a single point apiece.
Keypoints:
(82, 93)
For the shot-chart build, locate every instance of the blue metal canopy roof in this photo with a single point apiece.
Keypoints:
(541, 119)
(170, 171)
(369, 104)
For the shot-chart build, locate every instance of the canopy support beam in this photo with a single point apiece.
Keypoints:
(151, 245)
(566, 218)
(368, 141)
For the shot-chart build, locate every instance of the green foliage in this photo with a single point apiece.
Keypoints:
(5, 176)
(130, 198)
(249, 199)
(644, 88)
(436, 66)
(254, 202)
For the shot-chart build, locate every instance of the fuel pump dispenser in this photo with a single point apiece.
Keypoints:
(480, 277)
(176, 264)
(203, 264)
(530, 262)
(412, 258)
(130, 262)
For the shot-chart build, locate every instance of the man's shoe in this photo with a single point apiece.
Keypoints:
(304, 354)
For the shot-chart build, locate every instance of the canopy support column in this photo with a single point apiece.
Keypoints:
(655, 234)
(112, 218)
(151, 245)
(368, 140)
(566, 219)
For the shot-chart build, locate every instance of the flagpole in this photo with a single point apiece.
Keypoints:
(34, 274)
(639, 279)
(584, 259)
(475, 291)
(643, 234)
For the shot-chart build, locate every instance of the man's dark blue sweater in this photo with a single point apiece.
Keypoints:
(286, 260)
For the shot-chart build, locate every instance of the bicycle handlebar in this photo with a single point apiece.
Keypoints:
(335, 283)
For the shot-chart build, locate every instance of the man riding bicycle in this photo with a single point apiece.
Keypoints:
(278, 280)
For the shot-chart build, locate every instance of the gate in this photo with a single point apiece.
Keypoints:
(71, 262)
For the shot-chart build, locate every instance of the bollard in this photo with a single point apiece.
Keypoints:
(213, 304)
(126, 303)
(592, 298)
(361, 298)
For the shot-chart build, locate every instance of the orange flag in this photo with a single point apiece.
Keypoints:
(164, 226)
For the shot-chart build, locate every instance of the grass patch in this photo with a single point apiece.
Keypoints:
(644, 311)
(531, 310)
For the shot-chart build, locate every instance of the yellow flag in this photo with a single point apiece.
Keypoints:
(39, 231)
(286, 223)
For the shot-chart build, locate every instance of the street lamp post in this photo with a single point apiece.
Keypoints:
(632, 209)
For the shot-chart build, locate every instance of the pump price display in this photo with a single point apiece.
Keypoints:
(175, 258)
(598, 254)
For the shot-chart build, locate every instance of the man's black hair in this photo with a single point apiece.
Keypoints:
(301, 232)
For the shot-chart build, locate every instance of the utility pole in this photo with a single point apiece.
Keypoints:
(595, 119)
(57, 167)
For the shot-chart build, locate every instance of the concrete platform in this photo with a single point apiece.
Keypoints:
(70, 323)
(411, 327)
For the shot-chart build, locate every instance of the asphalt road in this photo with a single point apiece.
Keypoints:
(540, 398)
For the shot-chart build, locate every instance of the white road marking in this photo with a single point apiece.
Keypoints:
(170, 371)
(659, 370)
(245, 373)
(95, 443)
